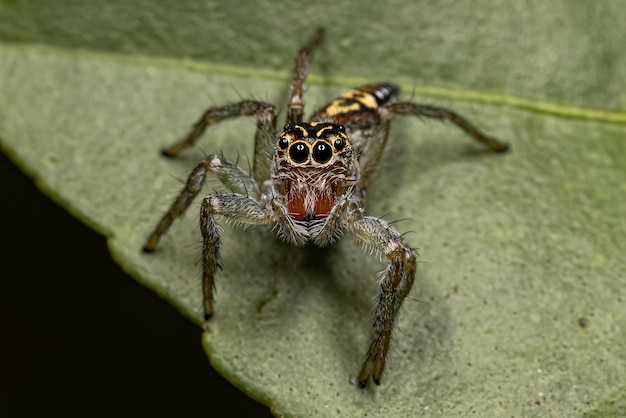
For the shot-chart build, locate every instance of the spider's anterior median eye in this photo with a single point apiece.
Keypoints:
(283, 143)
(299, 152)
(322, 152)
(339, 144)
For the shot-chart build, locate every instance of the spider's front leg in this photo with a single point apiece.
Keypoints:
(395, 285)
(227, 172)
(238, 208)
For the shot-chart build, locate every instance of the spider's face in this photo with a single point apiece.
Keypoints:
(312, 144)
(313, 166)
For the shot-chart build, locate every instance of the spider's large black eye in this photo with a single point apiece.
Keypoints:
(339, 144)
(322, 152)
(299, 152)
(283, 143)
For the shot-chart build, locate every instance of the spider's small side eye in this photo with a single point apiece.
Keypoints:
(322, 153)
(283, 143)
(299, 152)
(339, 144)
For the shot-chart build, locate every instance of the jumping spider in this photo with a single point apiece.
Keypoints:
(309, 181)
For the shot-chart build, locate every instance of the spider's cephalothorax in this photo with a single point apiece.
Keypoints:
(308, 181)
(314, 176)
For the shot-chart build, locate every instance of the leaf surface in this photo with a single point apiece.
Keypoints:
(515, 250)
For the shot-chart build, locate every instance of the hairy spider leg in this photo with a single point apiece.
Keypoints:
(241, 206)
(443, 114)
(227, 172)
(395, 284)
(240, 209)
(295, 107)
(367, 112)
(263, 138)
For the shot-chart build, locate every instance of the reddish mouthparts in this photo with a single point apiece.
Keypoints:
(308, 202)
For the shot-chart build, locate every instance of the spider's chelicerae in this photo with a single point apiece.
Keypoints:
(308, 181)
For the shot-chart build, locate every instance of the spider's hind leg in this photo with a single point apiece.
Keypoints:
(443, 114)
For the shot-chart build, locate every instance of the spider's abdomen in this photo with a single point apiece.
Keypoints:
(358, 105)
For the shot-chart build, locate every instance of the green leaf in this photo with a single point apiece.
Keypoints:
(515, 250)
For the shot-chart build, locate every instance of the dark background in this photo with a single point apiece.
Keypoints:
(79, 337)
